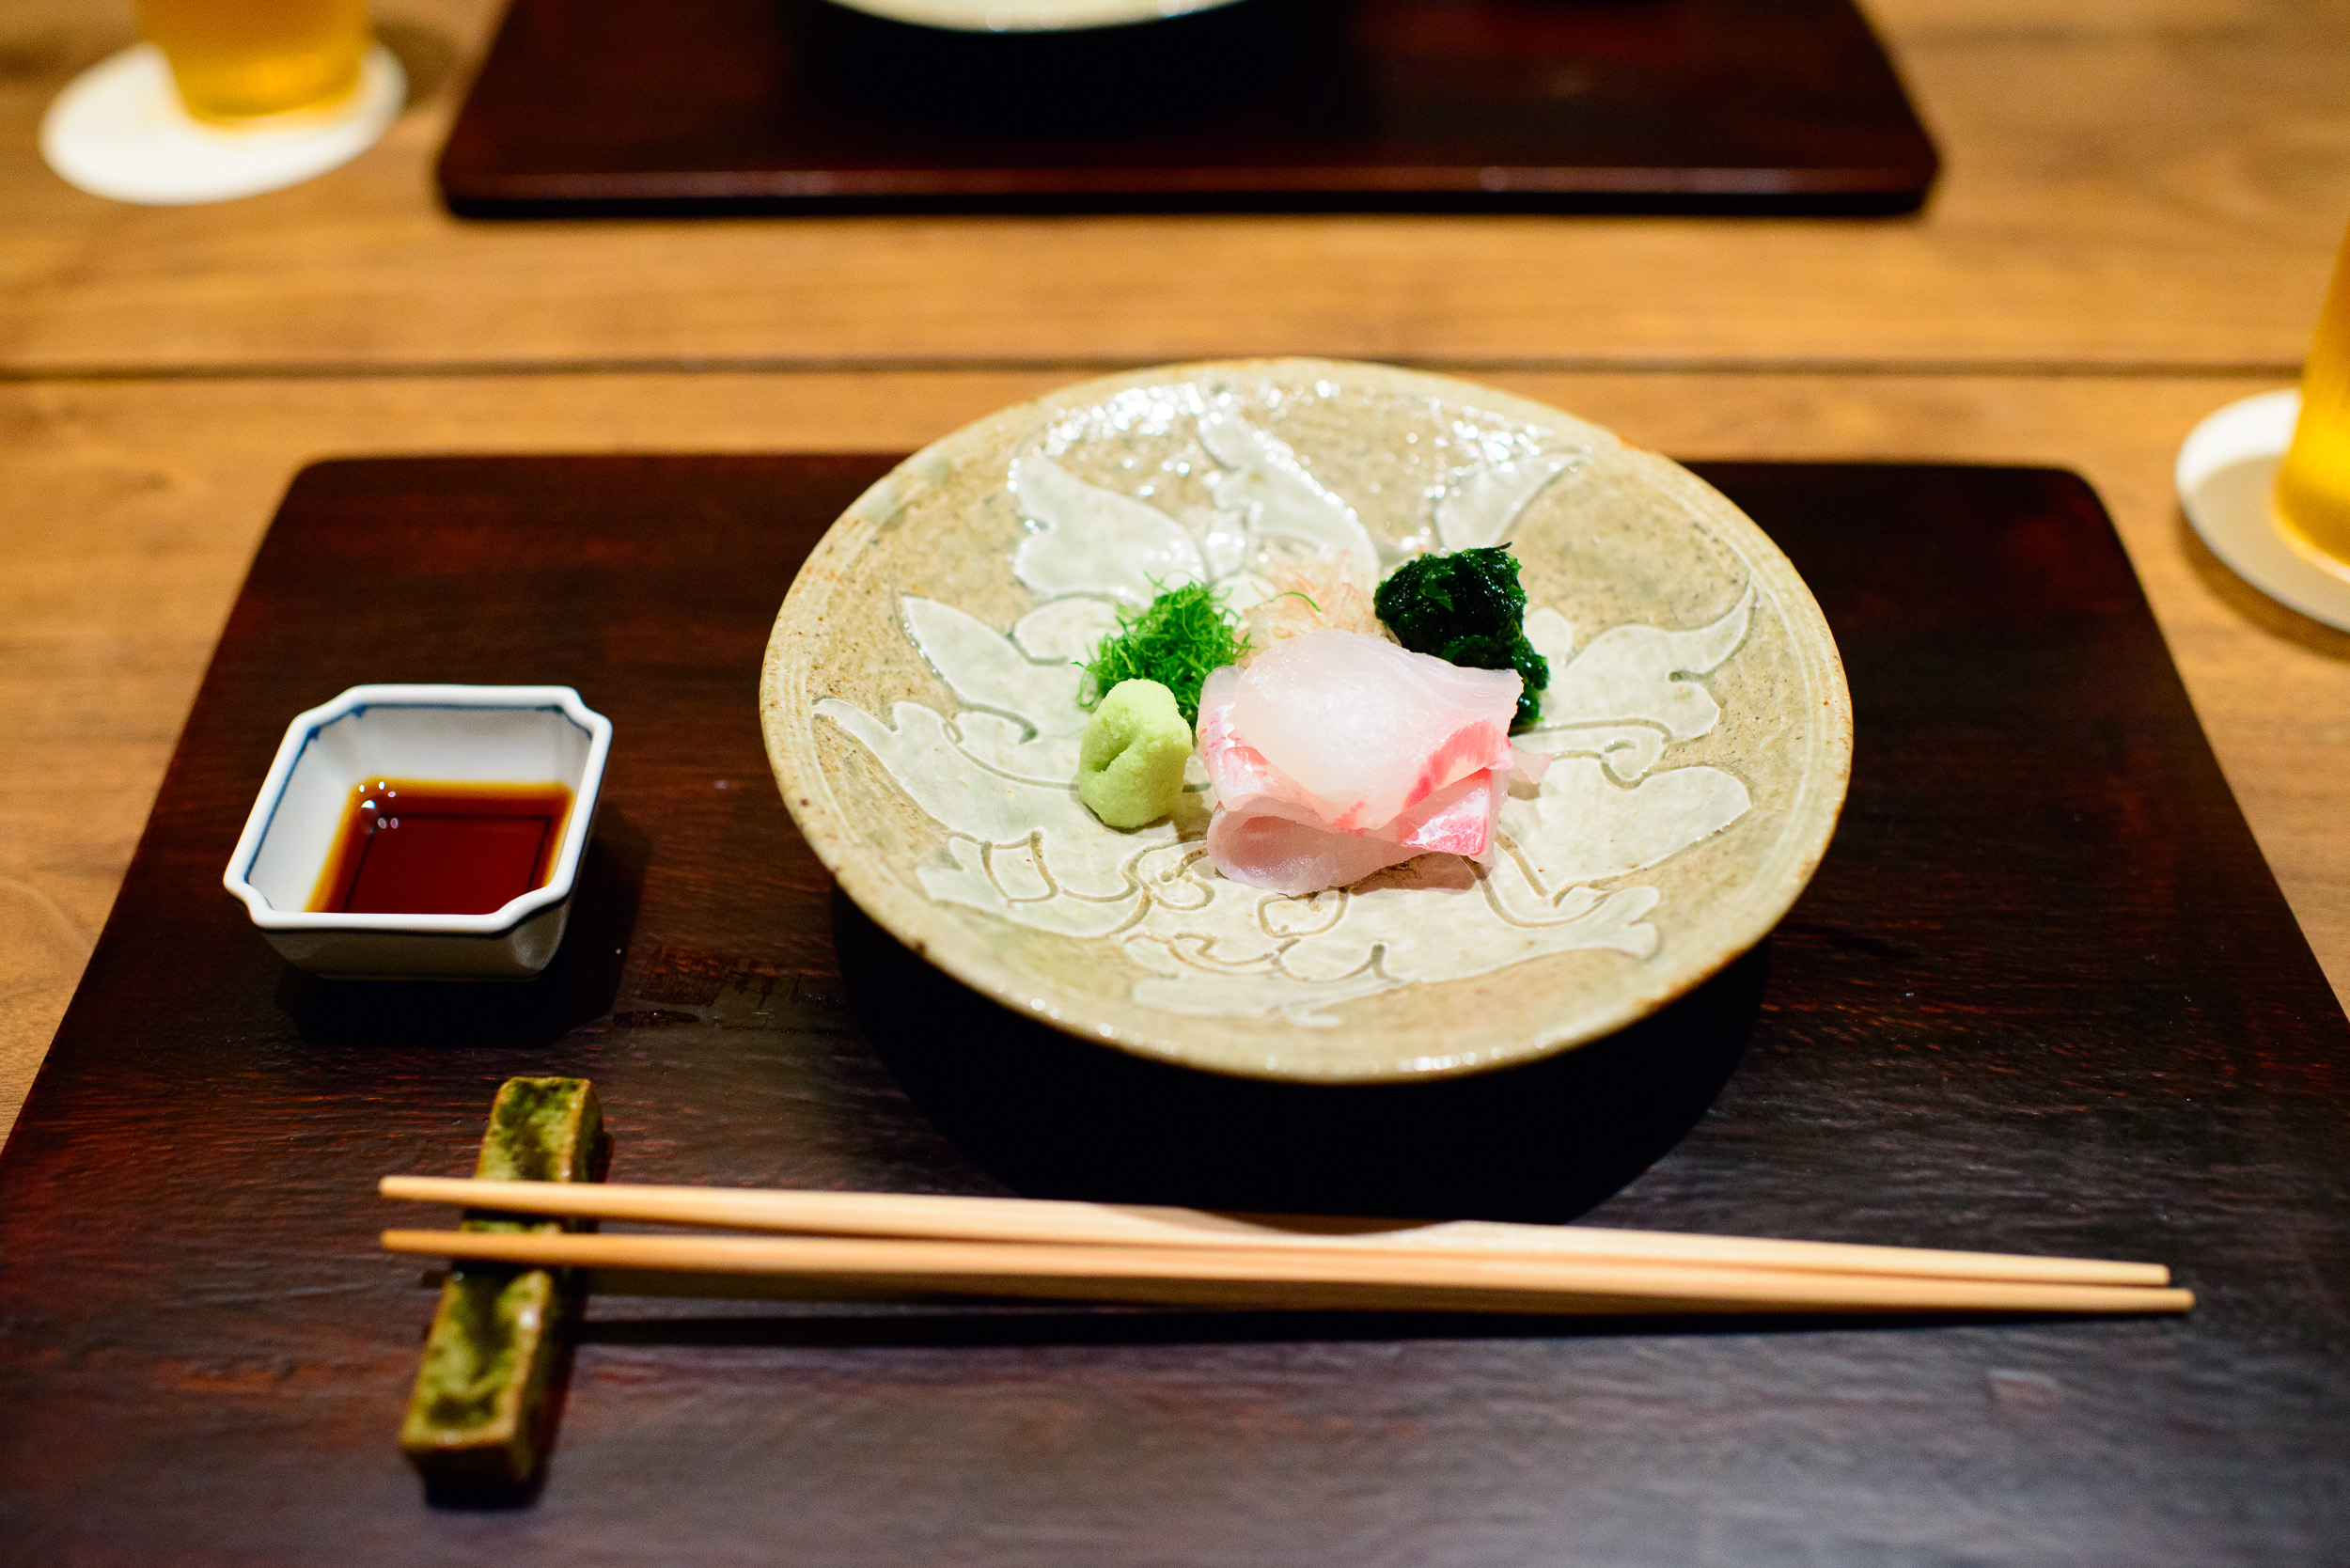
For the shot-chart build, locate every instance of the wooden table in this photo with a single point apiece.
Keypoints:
(2140, 205)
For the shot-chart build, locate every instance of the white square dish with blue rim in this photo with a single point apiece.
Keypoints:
(450, 733)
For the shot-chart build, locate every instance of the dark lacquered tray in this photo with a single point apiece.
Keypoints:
(2042, 996)
(612, 106)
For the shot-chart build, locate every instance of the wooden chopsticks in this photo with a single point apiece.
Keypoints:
(1104, 1252)
(1045, 1220)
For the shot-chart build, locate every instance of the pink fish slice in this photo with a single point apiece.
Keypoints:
(1269, 832)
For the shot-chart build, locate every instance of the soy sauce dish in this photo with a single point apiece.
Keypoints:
(424, 832)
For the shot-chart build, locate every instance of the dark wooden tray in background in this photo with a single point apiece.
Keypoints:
(617, 107)
(2041, 995)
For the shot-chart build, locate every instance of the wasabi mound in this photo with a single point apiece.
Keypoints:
(1130, 767)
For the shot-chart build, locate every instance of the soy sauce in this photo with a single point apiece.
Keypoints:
(414, 846)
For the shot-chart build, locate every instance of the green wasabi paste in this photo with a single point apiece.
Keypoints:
(1130, 766)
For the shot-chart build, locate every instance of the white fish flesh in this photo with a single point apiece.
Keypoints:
(1337, 753)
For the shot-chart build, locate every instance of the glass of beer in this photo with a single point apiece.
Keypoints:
(238, 61)
(2314, 485)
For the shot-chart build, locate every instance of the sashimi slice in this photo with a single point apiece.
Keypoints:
(1357, 729)
(1278, 846)
(1241, 776)
(1280, 854)
(1269, 833)
(1456, 820)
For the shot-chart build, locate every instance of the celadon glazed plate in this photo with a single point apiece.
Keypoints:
(919, 705)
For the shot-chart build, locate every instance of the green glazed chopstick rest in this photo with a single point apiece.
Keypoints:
(478, 1419)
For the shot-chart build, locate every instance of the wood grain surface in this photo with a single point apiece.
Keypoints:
(703, 107)
(2041, 995)
(2139, 207)
(2127, 184)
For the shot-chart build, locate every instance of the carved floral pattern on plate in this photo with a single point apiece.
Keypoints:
(998, 772)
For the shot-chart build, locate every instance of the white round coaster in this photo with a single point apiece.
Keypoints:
(120, 131)
(2227, 472)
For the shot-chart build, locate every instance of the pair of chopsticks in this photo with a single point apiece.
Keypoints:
(1102, 1252)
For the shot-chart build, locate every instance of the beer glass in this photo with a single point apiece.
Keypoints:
(2314, 485)
(237, 61)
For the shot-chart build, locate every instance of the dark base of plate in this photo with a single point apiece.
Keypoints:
(1054, 1116)
(1105, 80)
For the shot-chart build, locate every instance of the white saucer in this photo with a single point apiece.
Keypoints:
(2227, 470)
(120, 131)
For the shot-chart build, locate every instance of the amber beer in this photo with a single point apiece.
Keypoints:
(239, 61)
(2313, 486)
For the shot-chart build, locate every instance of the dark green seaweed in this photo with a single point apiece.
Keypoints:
(1466, 609)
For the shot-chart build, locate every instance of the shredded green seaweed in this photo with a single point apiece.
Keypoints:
(1175, 640)
(1466, 609)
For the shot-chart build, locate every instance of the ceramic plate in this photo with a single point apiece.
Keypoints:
(919, 707)
(1029, 16)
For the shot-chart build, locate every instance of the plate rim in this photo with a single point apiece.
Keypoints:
(787, 715)
(1016, 18)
